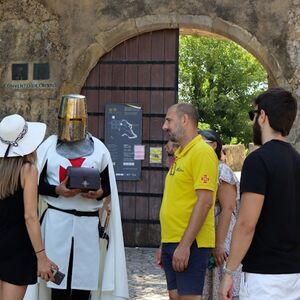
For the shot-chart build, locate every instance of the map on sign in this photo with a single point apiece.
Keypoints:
(124, 128)
(123, 132)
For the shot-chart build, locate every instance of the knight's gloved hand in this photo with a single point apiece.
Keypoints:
(103, 234)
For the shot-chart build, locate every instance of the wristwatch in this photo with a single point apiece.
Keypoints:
(227, 271)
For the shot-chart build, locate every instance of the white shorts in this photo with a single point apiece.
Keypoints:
(270, 287)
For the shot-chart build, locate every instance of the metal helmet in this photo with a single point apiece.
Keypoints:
(72, 118)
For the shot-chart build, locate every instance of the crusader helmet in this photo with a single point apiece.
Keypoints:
(72, 118)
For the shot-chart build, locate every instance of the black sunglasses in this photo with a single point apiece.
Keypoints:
(252, 113)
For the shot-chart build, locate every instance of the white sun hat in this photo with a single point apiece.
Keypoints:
(18, 137)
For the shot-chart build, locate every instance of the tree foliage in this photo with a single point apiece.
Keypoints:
(221, 79)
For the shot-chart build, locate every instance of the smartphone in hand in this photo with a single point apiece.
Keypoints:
(58, 277)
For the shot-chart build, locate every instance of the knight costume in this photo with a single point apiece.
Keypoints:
(70, 224)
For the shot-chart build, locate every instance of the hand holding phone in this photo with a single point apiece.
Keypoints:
(58, 277)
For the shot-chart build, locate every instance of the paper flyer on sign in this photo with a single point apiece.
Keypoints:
(139, 152)
(155, 155)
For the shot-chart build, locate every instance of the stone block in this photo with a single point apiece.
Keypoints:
(220, 26)
(111, 38)
(85, 63)
(193, 21)
(155, 22)
(239, 35)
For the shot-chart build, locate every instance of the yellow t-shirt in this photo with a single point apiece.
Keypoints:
(196, 167)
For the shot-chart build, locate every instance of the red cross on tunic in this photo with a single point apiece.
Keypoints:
(75, 162)
(205, 179)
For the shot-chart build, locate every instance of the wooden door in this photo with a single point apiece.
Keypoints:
(141, 71)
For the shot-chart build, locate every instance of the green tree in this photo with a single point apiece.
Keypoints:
(221, 79)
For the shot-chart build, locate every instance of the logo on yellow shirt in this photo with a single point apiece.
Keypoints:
(205, 179)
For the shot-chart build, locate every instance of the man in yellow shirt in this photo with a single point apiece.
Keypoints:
(187, 210)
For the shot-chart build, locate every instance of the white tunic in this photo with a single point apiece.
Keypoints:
(58, 228)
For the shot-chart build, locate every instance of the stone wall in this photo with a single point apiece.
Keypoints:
(235, 156)
(72, 35)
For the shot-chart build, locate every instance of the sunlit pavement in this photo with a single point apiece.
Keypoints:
(146, 280)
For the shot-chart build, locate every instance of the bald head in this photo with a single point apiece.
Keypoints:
(187, 109)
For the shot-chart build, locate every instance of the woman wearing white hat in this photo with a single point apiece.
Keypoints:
(22, 254)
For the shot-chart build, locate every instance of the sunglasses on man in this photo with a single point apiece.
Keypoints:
(252, 113)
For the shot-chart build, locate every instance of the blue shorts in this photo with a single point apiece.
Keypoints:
(191, 280)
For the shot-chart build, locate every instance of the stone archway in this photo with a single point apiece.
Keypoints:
(72, 35)
(216, 26)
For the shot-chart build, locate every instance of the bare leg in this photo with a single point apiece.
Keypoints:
(12, 292)
(1, 290)
(173, 295)
(190, 297)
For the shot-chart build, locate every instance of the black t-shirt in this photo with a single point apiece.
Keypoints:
(273, 170)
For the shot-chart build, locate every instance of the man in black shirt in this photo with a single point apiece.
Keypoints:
(266, 238)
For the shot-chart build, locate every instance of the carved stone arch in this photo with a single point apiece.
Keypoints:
(95, 76)
(105, 41)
